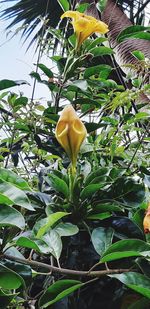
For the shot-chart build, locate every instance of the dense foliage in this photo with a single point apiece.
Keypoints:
(75, 238)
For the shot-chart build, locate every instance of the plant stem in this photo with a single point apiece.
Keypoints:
(64, 271)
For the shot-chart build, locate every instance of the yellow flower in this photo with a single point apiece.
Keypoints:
(70, 132)
(146, 221)
(85, 25)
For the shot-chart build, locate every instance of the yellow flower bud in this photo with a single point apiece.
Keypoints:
(85, 25)
(146, 221)
(70, 132)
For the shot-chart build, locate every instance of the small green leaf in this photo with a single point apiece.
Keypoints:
(53, 240)
(90, 190)
(64, 4)
(102, 238)
(98, 70)
(99, 216)
(135, 281)
(58, 184)
(102, 171)
(126, 248)
(57, 291)
(101, 51)
(45, 70)
(26, 242)
(9, 279)
(11, 217)
(138, 54)
(6, 83)
(101, 4)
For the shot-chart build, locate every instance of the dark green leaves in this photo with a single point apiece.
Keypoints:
(126, 248)
(11, 177)
(64, 4)
(59, 290)
(58, 184)
(102, 238)
(136, 282)
(9, 279)
(6, 83)
(11, 217)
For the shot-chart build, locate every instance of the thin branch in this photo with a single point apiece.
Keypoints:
(71, 272)
(141, 8)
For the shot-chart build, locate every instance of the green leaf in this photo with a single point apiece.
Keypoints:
(6, 83)
(86, 101)
(126, 248)
(64, 4)
(99, 216)
(102, 171)
(26, 242)
(57, 291)
(9, 279)
(95, 42)
(53, 240)
(11, 217)
(22, 101)
(6, 298)
(101, 5)
(5, 200)
(98, 70)
(14, 179)
(50, 221)
(45, 70)
(101, 51)
(66, 229)
(135, 281)
(132, 31)
(89, 191)
(17, 196)
(101, 239)
(138, 54)
(58, 184)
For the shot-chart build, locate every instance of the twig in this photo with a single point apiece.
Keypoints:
(71, 272)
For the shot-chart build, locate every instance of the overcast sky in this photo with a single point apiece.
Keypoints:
(16, 63)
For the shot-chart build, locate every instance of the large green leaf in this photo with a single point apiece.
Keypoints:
(66, 229)
(102, 238)
(49, 222)
(53, 240)
(126, 248)
(11, 217)
(100, 70)
(27, 243)
(7, 83)
(17, 196)
(57, 291)
(9, 279)
(136, 31)
(90, 190)
(135, 281)
(14, 179)
(45, 70)
(58, 184)
(102, 171)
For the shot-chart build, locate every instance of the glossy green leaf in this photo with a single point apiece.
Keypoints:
(57, 291)
(11, 217)
(17, 196)
(99, 216)
(138, 54)
(58, 184)
(5, 200)
(102, 238)
(14, 179)
(50, 221)
(66, 229)
(101, 4)
(135, 281)
(126, 248)
(9, 279)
